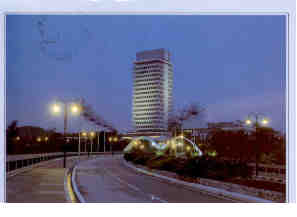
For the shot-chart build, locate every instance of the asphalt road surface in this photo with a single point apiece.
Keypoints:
(107, 179)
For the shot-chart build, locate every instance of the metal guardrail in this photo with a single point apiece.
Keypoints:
(14, 162)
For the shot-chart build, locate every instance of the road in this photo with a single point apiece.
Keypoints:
(107, 179)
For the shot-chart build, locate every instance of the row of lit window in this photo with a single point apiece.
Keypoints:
(146, 72)
(146, 105)
(147, 88)
(147, 84)
(147, 80)
(152, 109)
(154, 66)
(150, 75)
(149, 92)
(147, 118)
(148, 97)
(150, 127)
(147, 101)
(148, 114)
(148, 122)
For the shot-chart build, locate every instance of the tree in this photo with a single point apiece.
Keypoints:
(11, 134)
(187, 113)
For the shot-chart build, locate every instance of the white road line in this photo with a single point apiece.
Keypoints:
(151, 196)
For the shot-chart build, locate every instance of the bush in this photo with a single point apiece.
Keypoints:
(213, 168)
(204, 167)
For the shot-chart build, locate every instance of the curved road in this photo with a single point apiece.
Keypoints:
(107, 179)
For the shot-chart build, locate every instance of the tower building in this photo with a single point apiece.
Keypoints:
(152, 91)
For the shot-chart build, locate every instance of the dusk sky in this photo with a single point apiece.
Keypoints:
(232, 65)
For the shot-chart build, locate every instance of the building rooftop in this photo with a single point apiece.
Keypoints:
(153, 54)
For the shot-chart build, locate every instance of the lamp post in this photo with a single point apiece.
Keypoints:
(257, 123)
(111, 140)
(92, 134)
(74, 109)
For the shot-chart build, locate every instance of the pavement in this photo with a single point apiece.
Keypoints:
(44, 183)
(107, 179)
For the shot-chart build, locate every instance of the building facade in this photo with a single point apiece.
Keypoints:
(152, 91)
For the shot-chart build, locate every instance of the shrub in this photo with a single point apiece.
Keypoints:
(199, 166)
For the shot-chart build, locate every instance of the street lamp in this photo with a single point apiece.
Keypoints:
(84, 134)
(257, 124)
(92, 134)
(113, 139)
(38, 139)
(74, 109)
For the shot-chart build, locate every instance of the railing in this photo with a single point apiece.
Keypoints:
(274, 173)
(14, 162)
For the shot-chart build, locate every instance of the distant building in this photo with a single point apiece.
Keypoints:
(152, 91)
(201, 135)
(236, 125)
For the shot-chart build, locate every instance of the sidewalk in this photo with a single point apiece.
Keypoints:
(45, 183)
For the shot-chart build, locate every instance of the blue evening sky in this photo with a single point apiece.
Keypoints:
(232, 65)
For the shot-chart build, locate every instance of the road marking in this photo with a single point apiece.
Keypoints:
(151, 196)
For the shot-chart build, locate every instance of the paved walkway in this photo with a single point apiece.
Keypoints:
(42, 184)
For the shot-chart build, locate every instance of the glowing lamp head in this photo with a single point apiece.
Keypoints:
(92, 134)
(265, 122)
(56, 108)
(38, 139)
(18, 138)
(84, 133)
(248, 122)
(115, 139)
(74, 109)
(188, 148)
(46, 138)
(142, 147)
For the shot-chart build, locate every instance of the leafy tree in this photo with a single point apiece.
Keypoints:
(11, 134)
(176, 120)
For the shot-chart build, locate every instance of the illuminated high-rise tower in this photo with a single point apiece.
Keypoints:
(152, 91)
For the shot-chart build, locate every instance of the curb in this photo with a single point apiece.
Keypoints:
(217, 192)
(68, 189)
(67, 193)
(79, 196)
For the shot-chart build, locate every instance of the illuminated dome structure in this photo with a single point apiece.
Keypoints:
(178, 146)
(144, 143)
